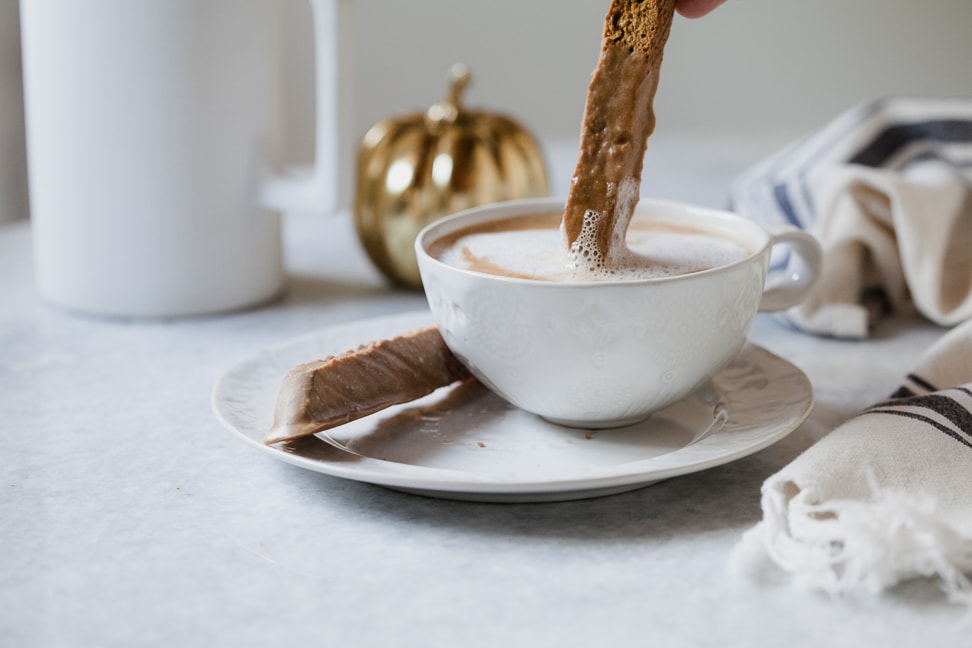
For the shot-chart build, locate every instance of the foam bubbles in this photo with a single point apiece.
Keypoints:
(585, 254)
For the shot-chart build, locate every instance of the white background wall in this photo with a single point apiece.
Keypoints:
(784, 66)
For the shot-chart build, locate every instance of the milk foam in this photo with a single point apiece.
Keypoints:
(585, 254)
(651, 250)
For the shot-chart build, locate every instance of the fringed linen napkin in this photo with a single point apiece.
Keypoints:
(887, 189)
(885, 497)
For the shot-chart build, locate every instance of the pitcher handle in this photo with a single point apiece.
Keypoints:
(318, 189)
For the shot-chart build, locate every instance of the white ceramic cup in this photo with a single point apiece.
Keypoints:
(154, 130)
(608, 353)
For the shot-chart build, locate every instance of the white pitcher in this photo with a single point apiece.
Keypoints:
(154, 132)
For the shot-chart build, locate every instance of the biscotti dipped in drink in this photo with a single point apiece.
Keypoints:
(618, 119)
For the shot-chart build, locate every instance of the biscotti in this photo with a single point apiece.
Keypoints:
(326, 393)
(618, 119)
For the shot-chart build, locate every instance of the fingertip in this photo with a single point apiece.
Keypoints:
(696, 8)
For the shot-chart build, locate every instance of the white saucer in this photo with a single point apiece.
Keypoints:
(463, 442)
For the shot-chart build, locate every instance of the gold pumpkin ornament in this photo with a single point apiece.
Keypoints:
(416, 168)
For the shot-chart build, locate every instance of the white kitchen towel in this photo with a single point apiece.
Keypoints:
(887, 189)
(885, 497)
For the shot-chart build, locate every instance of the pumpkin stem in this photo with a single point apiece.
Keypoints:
(459, 78)
(449, 108)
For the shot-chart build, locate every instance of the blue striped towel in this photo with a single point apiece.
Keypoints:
(887, 189)
(880, 499)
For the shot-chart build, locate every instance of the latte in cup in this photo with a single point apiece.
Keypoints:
(532, 246)
(609, 349)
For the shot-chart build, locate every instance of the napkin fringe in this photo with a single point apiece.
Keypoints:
(851, 546)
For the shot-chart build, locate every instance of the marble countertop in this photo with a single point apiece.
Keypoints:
(130, 517)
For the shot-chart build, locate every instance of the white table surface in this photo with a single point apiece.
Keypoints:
(129, 517)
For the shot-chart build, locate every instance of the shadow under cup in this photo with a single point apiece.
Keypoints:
(608, 353)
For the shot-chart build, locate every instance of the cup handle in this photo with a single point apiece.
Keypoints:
(790, 285)
(318, 189)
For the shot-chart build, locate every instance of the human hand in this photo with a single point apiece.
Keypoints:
(696, 8)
